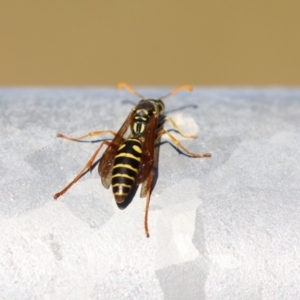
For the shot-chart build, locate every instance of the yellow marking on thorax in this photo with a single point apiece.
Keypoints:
(142, 129)
(145, 111)
(140, 118)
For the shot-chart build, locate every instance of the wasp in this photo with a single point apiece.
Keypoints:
(129, 159)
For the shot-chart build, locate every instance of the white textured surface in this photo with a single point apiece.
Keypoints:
(226, 227)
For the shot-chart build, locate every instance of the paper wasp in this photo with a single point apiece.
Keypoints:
(130, 157)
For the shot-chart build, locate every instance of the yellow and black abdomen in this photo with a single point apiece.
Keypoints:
(125, 169)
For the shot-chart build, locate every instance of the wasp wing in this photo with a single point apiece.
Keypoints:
(108, 157)
(147, 159)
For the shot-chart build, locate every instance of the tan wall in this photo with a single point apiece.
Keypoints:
(99, 42)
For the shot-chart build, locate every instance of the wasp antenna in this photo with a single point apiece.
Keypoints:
(178, 89)
(128, 88)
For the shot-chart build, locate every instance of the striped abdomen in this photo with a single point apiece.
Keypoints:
(125, 168)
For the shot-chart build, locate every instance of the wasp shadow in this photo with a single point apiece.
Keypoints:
(92, 141)
(175, 148)
(127, 101)
(194, 106)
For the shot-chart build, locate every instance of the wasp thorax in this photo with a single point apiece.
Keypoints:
(160, 106)
(143, 111)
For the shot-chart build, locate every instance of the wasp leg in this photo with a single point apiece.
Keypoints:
(179, 145)
(86, 167)
(167, 118)
(93, 133)
(148, 188)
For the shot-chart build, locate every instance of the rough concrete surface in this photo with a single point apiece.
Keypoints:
(225, 227)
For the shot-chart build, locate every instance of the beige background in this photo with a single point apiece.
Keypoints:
(100, 42)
